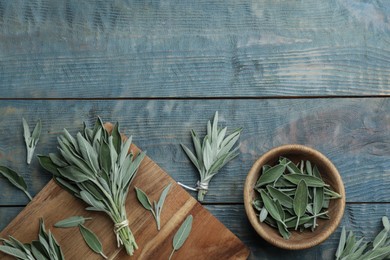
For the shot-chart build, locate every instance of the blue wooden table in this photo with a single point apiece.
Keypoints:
(310, 72)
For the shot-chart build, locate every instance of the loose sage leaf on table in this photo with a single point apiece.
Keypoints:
(31, 140)
(92, 240)
(16, 179)
(73, 221)
(182, 234)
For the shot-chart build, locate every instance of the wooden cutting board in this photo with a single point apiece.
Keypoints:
(209, 238)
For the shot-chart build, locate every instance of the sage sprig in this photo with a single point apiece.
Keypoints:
(350, 248)
(96, 167)
(31, 139)
(92, 240)
(15, 179)
(181, 235)
(73, 221)
(45, 248)
(292, 196)
(211, 154)
(144, 200)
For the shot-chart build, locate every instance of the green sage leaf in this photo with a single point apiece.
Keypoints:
(73, 173)
(310, 181)
(143, 199)
(386, 223)
(300, 200)
(263, 214)
(380, 239)
(92, 240)
(270, 205)
(182, 234)
(15, 179)
(73, 221)
(285, 200)
(13, 252)
(270, 175)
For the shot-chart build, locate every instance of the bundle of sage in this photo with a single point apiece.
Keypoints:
(97, 168)
(352, 249)
(45, 248)
(292, 196)
(212, 154)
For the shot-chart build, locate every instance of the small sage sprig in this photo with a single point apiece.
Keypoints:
(350, 248)
(31, 139)
(97, 168)
(15, 179)
(211, 154)
(292, 196)
(92, 240)
(144, 200)
(45, 248)
(73, 221)
(181, 235)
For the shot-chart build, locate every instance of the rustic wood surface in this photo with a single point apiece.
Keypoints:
(209, 238)
(310, 72)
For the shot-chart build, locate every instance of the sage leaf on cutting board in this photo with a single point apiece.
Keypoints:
(92, 240)
(144, 200)
(214, 152)
(15, 179)
(182, 234)
(31, 139)
(73, 221)
(45, 248)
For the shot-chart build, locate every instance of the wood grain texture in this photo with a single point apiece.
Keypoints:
(193, 49)
(363, 219)
(209, 238)
(352, 133)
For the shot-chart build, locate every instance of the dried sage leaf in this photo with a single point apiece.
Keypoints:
(16, 179)
(73, 221)
(182, 234)
(92, 240)
(284, 199)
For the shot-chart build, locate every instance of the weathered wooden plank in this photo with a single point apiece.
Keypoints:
(363, 219)
(353, 133)
(186, 48)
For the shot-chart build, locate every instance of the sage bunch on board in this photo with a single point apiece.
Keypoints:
(351, 248)
(96, 167)
(144, 200)
(31, 139)
(212, 153)
(292, 196)
(45, 248)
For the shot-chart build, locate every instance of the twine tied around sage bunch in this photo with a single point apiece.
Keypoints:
(212, 154)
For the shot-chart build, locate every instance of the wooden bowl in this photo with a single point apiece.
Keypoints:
(330, 175)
